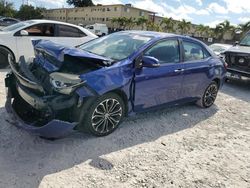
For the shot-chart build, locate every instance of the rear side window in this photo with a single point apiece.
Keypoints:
(68, 31)
(165, 51)
(45, 30)
(193, 51)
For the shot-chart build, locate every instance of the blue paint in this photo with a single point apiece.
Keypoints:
(145, 88)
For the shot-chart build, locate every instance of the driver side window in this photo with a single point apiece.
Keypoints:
(166, 51)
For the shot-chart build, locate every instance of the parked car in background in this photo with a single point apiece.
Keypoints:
(219, 48)
(15, 40)
(98, 29)
(94, 86)
(238, 59)
(7, 21)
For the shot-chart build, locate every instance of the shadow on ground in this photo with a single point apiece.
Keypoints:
(239, 89)
(26, 159)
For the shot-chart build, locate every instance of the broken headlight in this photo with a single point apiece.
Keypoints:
(65, 83)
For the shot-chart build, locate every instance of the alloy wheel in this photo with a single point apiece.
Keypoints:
(210, 95)
(106, 116)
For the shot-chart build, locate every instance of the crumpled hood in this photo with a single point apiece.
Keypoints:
(59, 51)
(239, 49)
(51, 56)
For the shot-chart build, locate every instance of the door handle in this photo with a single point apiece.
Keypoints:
(179, 70)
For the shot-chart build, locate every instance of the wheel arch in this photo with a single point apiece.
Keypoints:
(123, 96)
(218, 81)
(9, 51)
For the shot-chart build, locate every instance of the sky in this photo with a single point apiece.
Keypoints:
(207, 12)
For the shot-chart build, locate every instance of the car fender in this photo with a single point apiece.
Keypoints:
(109, 78)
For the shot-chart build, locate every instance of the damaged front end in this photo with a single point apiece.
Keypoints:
(42, 95)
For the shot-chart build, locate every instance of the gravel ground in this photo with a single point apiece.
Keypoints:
(175, 147)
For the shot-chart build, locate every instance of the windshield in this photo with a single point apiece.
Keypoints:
(116, 46)
(16, 26)
(246, 40)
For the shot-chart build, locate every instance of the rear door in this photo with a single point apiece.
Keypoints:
(161, 85)
(198, 66)
(70, 36)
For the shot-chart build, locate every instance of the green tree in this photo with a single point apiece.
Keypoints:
(168, 24)
(244, 28)
(225, 28)
(80, 3)
(114, 22)
(218, 32)
(184, 26)
(130, 22)
(151, 26)
(27, 12)
(7, 9)
(141, 21)
(200, 30)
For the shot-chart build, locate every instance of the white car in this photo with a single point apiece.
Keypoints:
(16, 39)
(219, 48)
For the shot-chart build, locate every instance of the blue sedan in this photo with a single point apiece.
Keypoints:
(94, 86)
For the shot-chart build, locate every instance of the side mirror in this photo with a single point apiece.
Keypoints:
(150, 62)
(24, 33)
(236, 43)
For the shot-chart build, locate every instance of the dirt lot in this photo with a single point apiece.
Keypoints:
(176, 147)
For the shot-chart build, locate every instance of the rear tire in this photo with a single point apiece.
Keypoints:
(4, 52)
(103, 115)
(209, 95)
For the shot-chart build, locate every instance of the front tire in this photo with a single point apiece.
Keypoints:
(209, 96)
(4, 57)
(104, 115)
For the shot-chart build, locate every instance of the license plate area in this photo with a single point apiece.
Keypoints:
(233, 75)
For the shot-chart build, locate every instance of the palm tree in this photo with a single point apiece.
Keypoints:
(151, 26)
(244, 28)
(122, 22)
(141, 21)
(114, 22)
(184, 26)
(200, 30)
(130, 22)
(226, 28)
(168, 24)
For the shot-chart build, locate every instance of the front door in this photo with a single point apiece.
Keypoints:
(161, 85)
(35, 32)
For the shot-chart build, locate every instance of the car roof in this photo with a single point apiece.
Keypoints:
(1, 18)
(153, 34)
(50, 21)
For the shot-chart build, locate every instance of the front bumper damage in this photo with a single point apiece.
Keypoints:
(53, 129)
(49, 116)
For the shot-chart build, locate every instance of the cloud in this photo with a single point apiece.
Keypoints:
(244, 19)
(183, 11)
(238, 6)
(48, 3)
(107, 2)
(214, 23)
(199, 2)
(216, 8)
(163, 9)
(202, 12)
